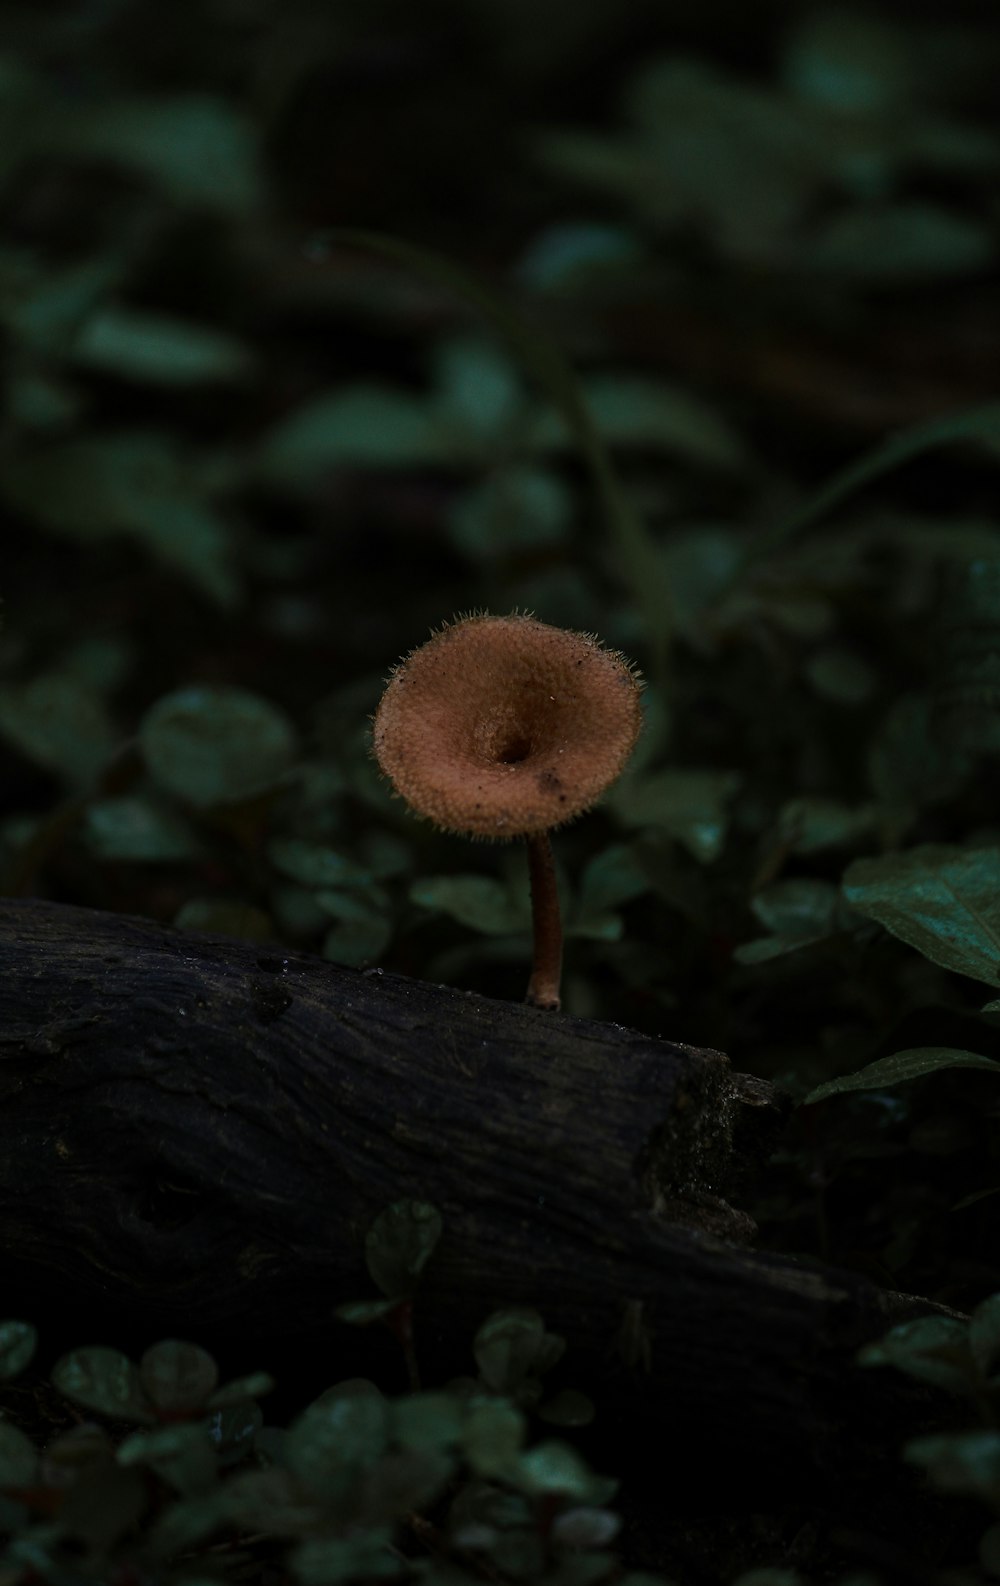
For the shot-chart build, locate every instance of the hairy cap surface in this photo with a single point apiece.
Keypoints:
(505, 726)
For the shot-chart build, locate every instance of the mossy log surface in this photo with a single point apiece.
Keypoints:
(196, 1132)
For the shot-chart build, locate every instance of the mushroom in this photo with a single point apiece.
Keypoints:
(503, 727)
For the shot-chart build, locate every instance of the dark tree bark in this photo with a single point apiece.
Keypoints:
(195, 1134)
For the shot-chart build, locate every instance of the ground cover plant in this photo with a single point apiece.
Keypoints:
(323, 323)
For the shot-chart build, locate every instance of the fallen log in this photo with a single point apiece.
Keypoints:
(196, 1132)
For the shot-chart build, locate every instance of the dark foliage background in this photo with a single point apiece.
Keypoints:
(246, 462)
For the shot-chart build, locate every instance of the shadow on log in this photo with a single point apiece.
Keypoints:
(196, 1133)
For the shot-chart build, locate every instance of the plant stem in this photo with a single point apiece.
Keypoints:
(543, 987)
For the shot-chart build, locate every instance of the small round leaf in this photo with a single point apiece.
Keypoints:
(511, 1345)
(584, 1527)
(177, 1377)
(493, 1436)
(181, 1455)
(399, 1244)
(255, 1386)
(361, 1313)
(428, 1421)
(932, 1349)
(555, 1468)
(340, 1434)
(104, 1380)
(211, 746)
(18, 1342)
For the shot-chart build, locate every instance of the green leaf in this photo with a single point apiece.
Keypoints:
(708, 139)
(701, 566)
(914, 1063)
(803, 907)
(512, 1345)
(365, 426)
(585, 1528)
(984, 1334)
(361, 1313)
(328, 1561)
(41, 402)
(315, 865)
(555, 1468)
(908, 764)
(799, 913)
(46, 308)
(105, 1380)
(516, 508)
(233, 1428)
(765, 948)
(102, 1507)
(932, 1349)
(901, 242)
(964, 1462)
(428, 1421)
(273, 1502)
(493, 1436)
(197, 148)
(237, 1392)
(153, 349)
(181, 1455)
(612, 878)
(689, 805)
(18, 1457)
(133, 484)
(363, 933)
(943, 901)
(544, 361)
(568, 256)
(339, 1435)
(177, 1377)
(848, 63)
(18, 1342)
(385, 854)
(399, 1244)
(137, 831)
(630, 410)
(188, 535)
(479, 902)
(406, 1481)
(185, 1525)
(211, 746)
(810, 824)
(478, 389)
(60, 723)
(594, 927)
(104, 661)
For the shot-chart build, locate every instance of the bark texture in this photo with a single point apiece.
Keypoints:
(195, 1134)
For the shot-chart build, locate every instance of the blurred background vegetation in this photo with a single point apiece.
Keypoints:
(247, 462)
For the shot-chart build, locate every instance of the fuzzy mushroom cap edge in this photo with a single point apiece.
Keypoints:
(503, 727)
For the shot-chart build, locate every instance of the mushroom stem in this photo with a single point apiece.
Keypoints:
(546, 972)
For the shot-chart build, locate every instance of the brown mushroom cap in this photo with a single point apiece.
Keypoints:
(505, 726)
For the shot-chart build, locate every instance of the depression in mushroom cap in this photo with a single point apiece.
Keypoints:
(505, 726)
